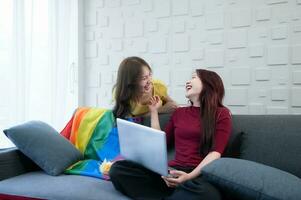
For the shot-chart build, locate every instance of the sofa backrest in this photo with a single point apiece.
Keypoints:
(274, 140)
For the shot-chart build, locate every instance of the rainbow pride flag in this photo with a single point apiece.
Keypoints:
(93, 132)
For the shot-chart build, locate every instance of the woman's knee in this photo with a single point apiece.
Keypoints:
(116, 169)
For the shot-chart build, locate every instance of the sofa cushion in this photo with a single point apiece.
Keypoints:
(44, 145)
(64, 187)
(245, 179)
(272, 140)
(280, 150)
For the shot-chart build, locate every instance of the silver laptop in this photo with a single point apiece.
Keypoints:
(143, 145)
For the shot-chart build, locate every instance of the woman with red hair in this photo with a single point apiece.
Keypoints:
(199, 132)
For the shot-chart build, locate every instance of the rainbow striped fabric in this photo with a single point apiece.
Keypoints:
(93, 132)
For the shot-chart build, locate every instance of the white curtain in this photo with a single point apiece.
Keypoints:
(43, 65)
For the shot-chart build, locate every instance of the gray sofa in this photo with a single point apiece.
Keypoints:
(272, 140)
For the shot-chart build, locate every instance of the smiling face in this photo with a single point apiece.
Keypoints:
(146, 80)
(194, 88)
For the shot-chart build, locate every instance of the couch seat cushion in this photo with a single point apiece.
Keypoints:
(245, 179)
(64, 187)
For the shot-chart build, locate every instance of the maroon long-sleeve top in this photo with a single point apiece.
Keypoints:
(184, 130)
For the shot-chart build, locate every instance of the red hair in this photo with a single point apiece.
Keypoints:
(211, 98)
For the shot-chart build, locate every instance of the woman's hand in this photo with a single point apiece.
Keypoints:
(177, 178)
(154, 103)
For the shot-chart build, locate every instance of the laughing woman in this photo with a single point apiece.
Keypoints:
(199, 132)
(135, 88)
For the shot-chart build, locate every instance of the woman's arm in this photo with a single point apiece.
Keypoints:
(153, 106)
(169, 106)
(181, 176)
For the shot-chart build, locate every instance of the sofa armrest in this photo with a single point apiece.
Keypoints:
(13, 163)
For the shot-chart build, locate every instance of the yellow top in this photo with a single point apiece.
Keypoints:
(159, 89)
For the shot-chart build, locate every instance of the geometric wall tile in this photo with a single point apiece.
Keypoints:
(89, 35)
(257, 35)
(134, 28)
(296, 29)
(90, 19)
(179, 7)
(237, 97)
(296, 96)
(147, 6)
(279, 94)
(277, 55)
(113, 3)
(240, 76)
(237, 39)
(256, 50)
(179, 27)
(214, 20)
(262, 93)
(181, 80)
(91, 50)
(197, 37)
(241, 18)
(93, 79)
(157, 44)
(196, 7)
(117, 45)
(103, 21)
(197, 54)
(276, 110)
(257, 109)
(116, 28)
(107, 77)
(296, 77)
(281, 14)
(180, 43)
(238, 110)
(179, 94)
(132, 2)
(296, 54)
(162, 8)
(140, 45)
(214, 58)
(215, 38)
(151, 26)
(263, 13)
(279, 32)
(262, 74)
(103, 59)
(276, 1)
(163, 75)
(99, 3)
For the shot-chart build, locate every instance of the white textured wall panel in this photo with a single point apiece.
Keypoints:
(255, 46)
(241, 18)
(237, 39)
(180, 7)
(296, 96)
(297, 77)
(240, 76)
(237, 97)
(295, 54)
(277, 55)
(279, 94)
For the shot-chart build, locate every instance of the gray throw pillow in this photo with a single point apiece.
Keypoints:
(245, 179)
(44, 145)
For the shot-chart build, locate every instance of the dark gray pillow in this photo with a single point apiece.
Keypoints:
(44, 145)
(245, 179)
